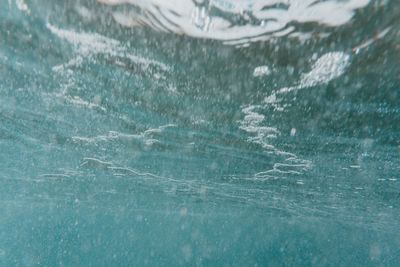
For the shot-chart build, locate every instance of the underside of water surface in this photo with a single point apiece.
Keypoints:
(205, 133)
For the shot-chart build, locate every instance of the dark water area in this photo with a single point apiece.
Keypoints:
(206, 133)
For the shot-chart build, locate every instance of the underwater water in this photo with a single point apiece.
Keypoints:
(206, 133)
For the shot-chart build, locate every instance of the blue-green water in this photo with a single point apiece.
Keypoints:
(127, 139)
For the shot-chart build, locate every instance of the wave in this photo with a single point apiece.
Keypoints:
(233, 21)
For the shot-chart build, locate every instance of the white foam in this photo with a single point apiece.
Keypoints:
(261, 71)
(251, 124)
(145, 136)
(328, 67)
(125, 19)
(193, 19)
(89, 44)
(261, 135)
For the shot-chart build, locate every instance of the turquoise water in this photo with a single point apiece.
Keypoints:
(207, 133)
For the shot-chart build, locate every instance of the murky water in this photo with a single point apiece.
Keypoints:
(199, 133)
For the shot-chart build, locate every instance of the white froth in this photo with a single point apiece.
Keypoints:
(328, 67)
(261, 71)
(89, 44)
(194, 19)
(146, 136)
(125, 19)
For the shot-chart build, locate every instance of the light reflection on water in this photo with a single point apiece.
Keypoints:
(235, 22)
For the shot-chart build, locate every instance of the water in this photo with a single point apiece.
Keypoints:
(201, 133)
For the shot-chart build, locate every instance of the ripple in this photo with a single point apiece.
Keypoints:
(233, 21)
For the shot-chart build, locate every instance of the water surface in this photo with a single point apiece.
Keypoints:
(199, 133)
